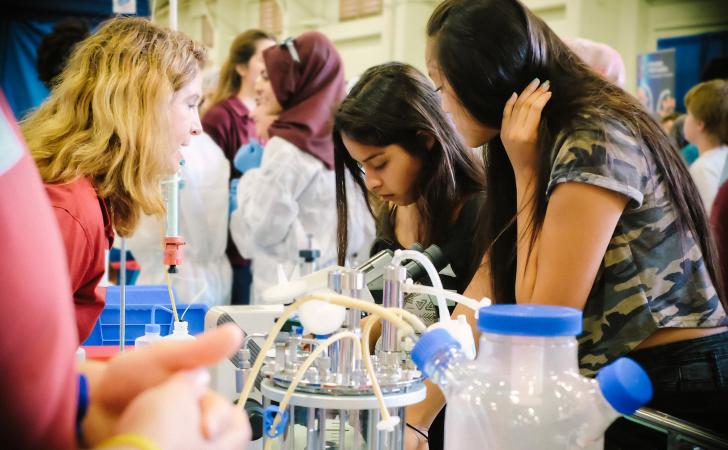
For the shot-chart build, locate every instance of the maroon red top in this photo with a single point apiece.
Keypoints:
(309, 91)
(38, 381)
(719, 223)
(85, 225)
(229, 124)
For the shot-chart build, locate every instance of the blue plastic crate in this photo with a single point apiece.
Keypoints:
(144, 304)
(141, 295)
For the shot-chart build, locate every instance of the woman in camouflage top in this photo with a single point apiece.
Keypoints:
(587, 205)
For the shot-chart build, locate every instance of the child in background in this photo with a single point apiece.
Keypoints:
(706, 126)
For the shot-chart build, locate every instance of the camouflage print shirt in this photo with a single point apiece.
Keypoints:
(653, 274)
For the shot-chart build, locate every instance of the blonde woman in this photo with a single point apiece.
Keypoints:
(109, 132)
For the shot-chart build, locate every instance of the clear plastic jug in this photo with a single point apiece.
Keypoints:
(524, 389)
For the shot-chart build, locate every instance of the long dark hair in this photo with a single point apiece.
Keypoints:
(488, 49)
(394, 103)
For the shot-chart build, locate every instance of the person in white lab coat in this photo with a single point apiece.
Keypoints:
(205, 275)
(292, 194)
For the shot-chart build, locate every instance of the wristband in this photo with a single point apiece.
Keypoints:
(135, 440)
(82, 405)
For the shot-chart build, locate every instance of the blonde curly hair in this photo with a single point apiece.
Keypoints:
(107, 118)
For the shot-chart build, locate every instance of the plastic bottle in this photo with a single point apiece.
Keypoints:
(524, 390)
(179, 333)
(80, 355)
(151, 335)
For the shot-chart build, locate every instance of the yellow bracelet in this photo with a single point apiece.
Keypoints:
(130, 440)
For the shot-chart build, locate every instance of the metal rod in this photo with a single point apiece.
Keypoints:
(372, 432)
(688, 432)
(311, 434)
(173, 14)
(355, 422)
(342, 429)
(122, 301)
(322, 428)
(352, 283)
(291, 438)
(391, 297)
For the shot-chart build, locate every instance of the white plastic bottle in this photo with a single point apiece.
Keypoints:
(524, 390)
(151, 335)
(80, 355)
(179, 333)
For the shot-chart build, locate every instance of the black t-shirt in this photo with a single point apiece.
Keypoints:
(458, 249)
(461, 254)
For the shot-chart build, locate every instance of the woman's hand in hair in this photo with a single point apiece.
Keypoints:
(519, 133)
(519, 130)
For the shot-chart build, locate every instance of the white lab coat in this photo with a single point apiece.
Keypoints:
(290, 195)
(205, 275)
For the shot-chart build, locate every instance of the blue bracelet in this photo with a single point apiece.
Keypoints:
(82, 405)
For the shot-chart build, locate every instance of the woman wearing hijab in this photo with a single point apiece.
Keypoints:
(292, 194)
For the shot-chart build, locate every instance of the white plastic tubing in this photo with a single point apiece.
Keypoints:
(403, 255)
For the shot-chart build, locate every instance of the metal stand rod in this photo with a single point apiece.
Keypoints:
(322, 428)
(311, 431)
(122, 303)
(342, 429)
(677, 430)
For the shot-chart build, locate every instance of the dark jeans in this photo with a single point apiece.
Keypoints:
(690, 381)
(242, 279)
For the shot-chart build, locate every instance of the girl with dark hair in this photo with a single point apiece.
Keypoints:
(290, 195)
(392, 137)
(424, 186)
(587, 204)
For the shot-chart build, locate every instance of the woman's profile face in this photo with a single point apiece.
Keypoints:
(184, 117)
(473, 132)
(265, 99)
(389, 172)
(251, 71)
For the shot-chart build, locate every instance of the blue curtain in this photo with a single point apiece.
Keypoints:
(43, 9)
(22, 28)
(18, 74)
(691, 55)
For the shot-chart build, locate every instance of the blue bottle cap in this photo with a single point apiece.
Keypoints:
(151, 328)
(269, 415)
(625, 385)
(530, 320)
(431, 343)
